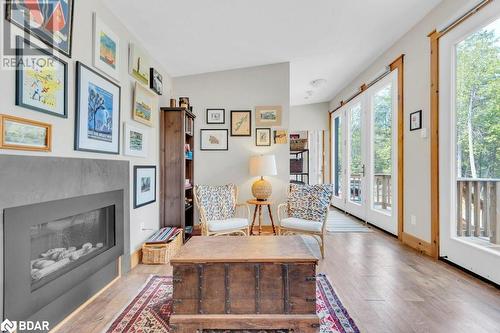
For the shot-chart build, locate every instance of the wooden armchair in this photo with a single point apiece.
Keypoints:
(306, 212)
(220, 214)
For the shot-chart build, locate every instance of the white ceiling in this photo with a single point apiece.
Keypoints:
(330, 39)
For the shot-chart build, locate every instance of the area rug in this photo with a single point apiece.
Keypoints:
(149, 311)
(339, 222)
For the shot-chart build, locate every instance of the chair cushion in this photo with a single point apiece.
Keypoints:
(309, 202)
(229, 224)
(217, 201)
(301, 224)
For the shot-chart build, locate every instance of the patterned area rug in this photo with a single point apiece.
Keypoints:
(150, 310)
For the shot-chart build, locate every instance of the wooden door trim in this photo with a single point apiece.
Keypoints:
(399, 65)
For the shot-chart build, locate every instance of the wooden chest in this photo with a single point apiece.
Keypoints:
(231, 283)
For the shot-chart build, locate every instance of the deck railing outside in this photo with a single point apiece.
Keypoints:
(382, 191)
(477, 209)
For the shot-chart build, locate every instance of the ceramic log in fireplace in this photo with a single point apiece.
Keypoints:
(51, 247)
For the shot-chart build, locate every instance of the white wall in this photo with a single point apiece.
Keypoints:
(63, 129)
(415, 45)
(309, 117)
(241, 89)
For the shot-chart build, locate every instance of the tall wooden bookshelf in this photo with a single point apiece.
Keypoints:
(176, 197)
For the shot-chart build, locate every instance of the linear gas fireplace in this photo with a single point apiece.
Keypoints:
(51, 247)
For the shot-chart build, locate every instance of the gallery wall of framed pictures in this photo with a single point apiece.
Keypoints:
(267, 127)
(75, 99)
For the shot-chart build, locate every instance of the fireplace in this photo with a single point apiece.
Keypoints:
(51, 247)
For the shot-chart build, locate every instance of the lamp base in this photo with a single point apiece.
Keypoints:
(262, 189)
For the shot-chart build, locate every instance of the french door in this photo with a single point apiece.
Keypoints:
(469, 176)
(364, 151)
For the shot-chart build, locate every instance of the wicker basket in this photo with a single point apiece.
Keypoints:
(156, 254)
(298, 144)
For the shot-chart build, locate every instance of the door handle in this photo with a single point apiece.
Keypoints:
(363, 170)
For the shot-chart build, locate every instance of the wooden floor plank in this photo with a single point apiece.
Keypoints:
(385, 286)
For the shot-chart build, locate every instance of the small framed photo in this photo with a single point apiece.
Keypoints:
(136, 141)
(144, 185)
(42, 85)
(262, 136)
(24, 134)
(97, 121)
(106, 49)
(144, 104)
(241, 123)
(216, 116)
(156, 81)
(280, 137)
(416, 120)
(268, 115)
(214, 139)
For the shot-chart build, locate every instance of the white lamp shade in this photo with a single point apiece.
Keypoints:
(263, 165)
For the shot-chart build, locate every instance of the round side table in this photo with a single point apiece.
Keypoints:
(258, 207)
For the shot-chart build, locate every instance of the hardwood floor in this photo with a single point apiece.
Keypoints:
(385, 286)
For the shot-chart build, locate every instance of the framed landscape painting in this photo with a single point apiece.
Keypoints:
(262, 136)
(136, 141)
(106, 49)
(139, 64)
(51, 21)
(144, 185)
(214, 139)
(97, 121)
(41, 85)
(241, 123)
(24, 134)
(268, 115)
(144, 105)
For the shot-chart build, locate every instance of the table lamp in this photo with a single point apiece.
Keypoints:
(260, 166)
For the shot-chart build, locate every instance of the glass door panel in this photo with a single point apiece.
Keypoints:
(356, 166)
(382, 133)
(338, 158)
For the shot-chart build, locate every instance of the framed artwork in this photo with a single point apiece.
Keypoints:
(136, 141)
(416, 120)
(50, 21)
(24, 134)
(216, 116)
(214, 139)
(97, 121)
(138, 64)
(144, 185)
(41, 85)
(241, 123)
(156, 83)
(106, 49)
(144, 104)
(268, 115)
(262, 136)
(280, 137)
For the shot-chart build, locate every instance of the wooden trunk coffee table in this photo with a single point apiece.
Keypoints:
(241, 283)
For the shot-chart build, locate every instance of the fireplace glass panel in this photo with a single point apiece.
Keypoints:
(61, 245)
